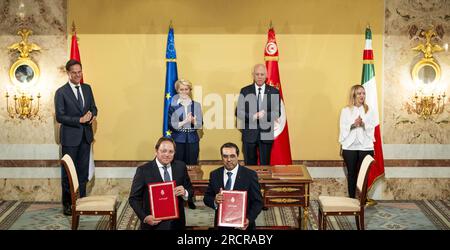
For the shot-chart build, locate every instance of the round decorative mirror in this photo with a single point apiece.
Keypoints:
(426, 71)
(24, 72)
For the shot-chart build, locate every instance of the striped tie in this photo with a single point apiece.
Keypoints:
(166, 174)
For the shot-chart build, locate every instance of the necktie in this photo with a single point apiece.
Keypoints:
(228, 184)
(166, 174)
(80, 100)
(259, 99)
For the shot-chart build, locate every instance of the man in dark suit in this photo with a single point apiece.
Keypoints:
(232, 176)
(75, 109)
(257, 109)
(162, 168)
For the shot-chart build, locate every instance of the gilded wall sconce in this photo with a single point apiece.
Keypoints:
(24, 74)
(426, 74)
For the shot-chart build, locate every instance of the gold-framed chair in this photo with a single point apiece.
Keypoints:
(91, 205)
(345, 206)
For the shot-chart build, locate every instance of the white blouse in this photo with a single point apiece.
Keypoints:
(359, 138)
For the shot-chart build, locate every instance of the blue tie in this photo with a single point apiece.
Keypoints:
(166, 174)
(80, 100)
(228, 185)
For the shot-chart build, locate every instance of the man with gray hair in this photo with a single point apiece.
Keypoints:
(257, 109)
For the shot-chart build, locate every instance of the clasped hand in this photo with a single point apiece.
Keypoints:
(259, 115)
(358, 122)
(189, 119)
(88, 117)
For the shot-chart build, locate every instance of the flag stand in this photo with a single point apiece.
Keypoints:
(370, 202)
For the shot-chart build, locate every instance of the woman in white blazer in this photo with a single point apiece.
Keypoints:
(356, 134)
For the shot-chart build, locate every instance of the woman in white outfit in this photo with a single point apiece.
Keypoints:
(356, 134)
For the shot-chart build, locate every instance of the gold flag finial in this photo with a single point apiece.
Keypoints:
(170, 24)
(270, 25)
(74, 29)
(368, 25)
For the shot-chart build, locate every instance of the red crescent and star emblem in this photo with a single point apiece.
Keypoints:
(271, 48)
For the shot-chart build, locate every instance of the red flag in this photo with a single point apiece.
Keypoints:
(75, 54)
(281, 148)
(74, 51)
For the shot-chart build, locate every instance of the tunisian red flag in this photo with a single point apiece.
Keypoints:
(281, 148)
(75, 54)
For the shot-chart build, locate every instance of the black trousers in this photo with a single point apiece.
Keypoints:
(353, 160)
(80, 156)
(187, 152)
(250, 155)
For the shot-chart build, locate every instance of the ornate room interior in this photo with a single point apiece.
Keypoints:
(123, 47)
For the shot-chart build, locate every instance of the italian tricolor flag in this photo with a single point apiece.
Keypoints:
(369, 84)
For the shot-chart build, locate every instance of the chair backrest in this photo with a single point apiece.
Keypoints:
(361, 182)
(71, 174)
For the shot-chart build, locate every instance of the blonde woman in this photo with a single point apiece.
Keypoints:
(356, 134)
(185, 116)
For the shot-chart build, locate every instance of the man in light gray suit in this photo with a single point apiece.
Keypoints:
(75, 109)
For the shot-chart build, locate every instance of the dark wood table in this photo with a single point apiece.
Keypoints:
(286, 191)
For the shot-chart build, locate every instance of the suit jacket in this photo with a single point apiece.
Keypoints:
(68, 113)
(187, 133)
(246, 180)
(139, 198)
(252, 130)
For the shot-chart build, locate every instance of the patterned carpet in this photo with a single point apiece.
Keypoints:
(386, 215)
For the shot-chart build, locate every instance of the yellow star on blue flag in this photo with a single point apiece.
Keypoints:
(171, 78)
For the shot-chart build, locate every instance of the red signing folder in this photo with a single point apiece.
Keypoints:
(233, 209)
(163, 202)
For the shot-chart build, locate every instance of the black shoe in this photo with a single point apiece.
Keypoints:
(67, 210)
(265, 208)
(192, 205)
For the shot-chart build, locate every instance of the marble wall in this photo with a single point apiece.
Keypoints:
(391, 189)
(37, 139)
(404, 19)
(47, 20)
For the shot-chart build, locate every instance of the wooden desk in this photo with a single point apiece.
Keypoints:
(277, 192)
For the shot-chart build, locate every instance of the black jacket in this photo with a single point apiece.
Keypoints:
(263, 129)
(139, 198)
(246, 180)
(68, 113)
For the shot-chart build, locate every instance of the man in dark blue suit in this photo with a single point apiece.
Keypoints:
(75, 109)
(258, 109)
(162, 168)
(232, 176)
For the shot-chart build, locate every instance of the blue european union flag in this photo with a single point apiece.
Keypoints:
(171, 78)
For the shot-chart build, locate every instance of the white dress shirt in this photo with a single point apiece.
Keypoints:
(185, 110)
(359, 138)
(233, 176)
(75, 91)
(169, 169)
(263, 88)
